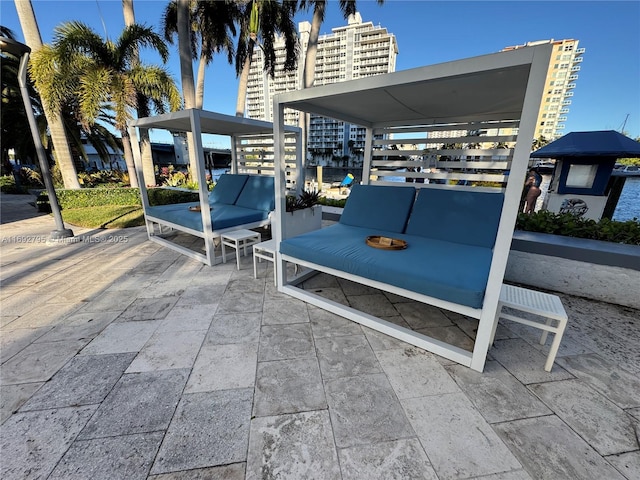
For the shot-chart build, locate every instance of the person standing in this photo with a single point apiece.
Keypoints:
(532, 188)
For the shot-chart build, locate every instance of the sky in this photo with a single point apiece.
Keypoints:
(607, 93)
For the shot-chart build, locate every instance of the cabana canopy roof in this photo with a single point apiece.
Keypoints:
(607, 143)
(210, 122)
(480, 88)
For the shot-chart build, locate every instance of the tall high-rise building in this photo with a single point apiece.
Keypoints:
(356, 50)
(560, 82)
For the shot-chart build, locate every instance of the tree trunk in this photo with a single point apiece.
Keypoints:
(243, 82)
(54, 119)
(186, 71)
(148, 169)
(128, 159)
(310, 70)
(202, 67)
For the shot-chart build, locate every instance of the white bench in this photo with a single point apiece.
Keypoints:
(538, 303)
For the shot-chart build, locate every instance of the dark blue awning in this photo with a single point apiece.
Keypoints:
(608, 143)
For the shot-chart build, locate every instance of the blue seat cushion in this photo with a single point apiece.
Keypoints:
(470, 218)
(227, 189)
(222, 216)
(449, 271)
(378, 207)
(258, 193)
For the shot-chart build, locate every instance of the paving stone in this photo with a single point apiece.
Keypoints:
(322, 280)
(496, 394)
(85, 326)
(139, 403)
(413, 372)
(513, 475)
(457, 440)
(234, 328)
(615, 383)
(628, 464)
(226, 472)
(148, 309)
(365, 410)
(223, 367)
(110, 301)
(240, 302)
(400, 460)
(452, 335)
(381, 341)
(605, 426)
(288, 386)
(126, 456)
(296, 446)
(13, 341)
(167, 350)
(346, 356)
(39, 361)
(353, 288)
(548, 448)
(19, 305)
(333, 294)
(122, 338)
(280, 311)
(280, 342)
(12, 397)
(45, 315)
(525, 362)
(634, 412)
(202, 295)
(188, 317)
(85, 380)
(32, 443)
(208, 429)
(327, 324)
(419, 315)
(374, 304)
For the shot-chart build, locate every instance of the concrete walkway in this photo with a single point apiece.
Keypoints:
(124, 360)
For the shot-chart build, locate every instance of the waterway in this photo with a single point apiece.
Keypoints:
(628, 206)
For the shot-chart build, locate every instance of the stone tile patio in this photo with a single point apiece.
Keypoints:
(124, 360)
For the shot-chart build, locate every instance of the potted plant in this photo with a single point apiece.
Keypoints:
(303, 214)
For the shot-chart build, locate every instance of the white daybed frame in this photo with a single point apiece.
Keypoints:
(482, 92)
(204, 122)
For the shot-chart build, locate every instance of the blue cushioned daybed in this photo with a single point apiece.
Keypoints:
(236, 201)
(450, 236)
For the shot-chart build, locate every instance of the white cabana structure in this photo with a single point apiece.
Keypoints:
(252, 152)
(469, 126)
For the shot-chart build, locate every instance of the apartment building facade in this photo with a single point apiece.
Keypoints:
(356, 50)
(560, 83)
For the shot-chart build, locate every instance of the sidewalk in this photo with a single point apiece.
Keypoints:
(124, 360)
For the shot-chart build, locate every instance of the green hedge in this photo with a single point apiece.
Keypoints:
(8, 185)
(97, 197)
(569, 225)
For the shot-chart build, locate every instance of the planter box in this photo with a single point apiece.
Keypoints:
(604, 271)
(302, 221)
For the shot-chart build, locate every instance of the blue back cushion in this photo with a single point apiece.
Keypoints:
(227, 189)
(258, 193)
(378, 207)
(470, 218)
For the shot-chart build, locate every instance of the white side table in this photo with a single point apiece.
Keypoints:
(267, 251)
(239, 239)
(542, 304)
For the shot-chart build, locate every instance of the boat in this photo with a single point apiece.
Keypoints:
(545, 166)
(626, 170)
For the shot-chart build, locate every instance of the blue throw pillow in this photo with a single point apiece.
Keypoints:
(258, 193)
(378, 207)
(227, 189)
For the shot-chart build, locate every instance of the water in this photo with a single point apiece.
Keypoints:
(629, 203)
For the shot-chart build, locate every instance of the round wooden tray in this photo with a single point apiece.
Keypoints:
(194, 209)
(386, 243)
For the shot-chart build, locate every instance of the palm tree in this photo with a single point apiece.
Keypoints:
(212, 31)
(80, 65)
(62, 152)
(348, 7)
(260, 22)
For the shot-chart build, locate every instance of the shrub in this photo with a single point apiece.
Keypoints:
(570, 225)
(165, 196)
(8, 185)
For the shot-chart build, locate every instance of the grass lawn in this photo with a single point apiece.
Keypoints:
(106, 216)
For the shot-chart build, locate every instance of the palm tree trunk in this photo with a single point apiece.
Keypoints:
(186, 70)
(128, 159)
(54, 119)
(148, 169)
(244, 81)
(202, 67)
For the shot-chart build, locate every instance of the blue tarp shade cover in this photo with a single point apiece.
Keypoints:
(608, 143)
